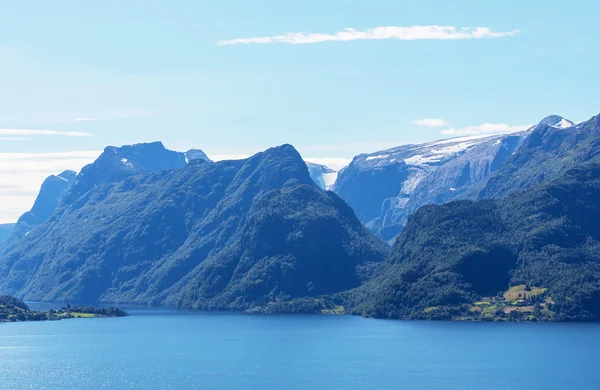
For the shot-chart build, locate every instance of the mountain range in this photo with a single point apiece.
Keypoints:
(385, 187)
(239, 234)
(493, 227)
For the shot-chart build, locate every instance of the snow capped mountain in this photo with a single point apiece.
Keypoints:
(430, 154)
(385, 187)
(552, 147)
(556, 121)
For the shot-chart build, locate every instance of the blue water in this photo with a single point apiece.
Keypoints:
(176, 350)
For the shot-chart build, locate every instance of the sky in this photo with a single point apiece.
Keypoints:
(234, 77)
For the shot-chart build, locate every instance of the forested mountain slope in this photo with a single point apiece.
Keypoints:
(451, 260)
(226, 235)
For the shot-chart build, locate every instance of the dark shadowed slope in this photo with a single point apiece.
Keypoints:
(449, 257)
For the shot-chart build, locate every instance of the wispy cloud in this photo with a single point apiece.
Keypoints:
(86, 119)
(25, 132)
(21, 175)
(486, 128)
(431, 122)
(411, 33)
(16, 139)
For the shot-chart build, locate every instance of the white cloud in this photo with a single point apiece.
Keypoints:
(21, 175)
(21, 132)
(486, 128)
(334, 163)
(85, 119)
(220, 157)
(15, 139)
(387, 32)
(346, 148)
(430, 122)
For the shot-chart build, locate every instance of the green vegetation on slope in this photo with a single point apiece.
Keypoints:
(233, 235)
(449, 257)
(546, 154)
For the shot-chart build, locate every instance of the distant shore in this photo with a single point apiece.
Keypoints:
(15, 310)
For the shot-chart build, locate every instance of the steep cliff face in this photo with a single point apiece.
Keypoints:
(114, 164)
(117, 163)
(384, 188)
(51, 192)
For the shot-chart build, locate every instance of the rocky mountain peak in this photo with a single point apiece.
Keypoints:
(556, 121)
(196, 154)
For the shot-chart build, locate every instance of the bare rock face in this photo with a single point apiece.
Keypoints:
(385, 187)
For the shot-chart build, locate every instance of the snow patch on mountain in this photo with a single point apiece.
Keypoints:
(564, 124)
(413, 180)
(386, 186)
(322, 175)
(377, 157)
(329, 179)
(126, 162)
(556, 121)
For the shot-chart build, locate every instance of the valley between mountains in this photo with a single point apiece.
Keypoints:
(498, 228)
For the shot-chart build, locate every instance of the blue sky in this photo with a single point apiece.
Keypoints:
(154, 70)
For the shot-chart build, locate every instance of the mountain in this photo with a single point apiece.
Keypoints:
(196, 154)
(5, 230)
(51, 191)
(12, 303)
(322, 175)
(114, 164)
(117, 163)
(552, 147)
(385, 187)
(556, 121)
(532, 255)
(237, 235)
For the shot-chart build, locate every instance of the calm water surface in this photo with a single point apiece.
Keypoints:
(176, 350)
